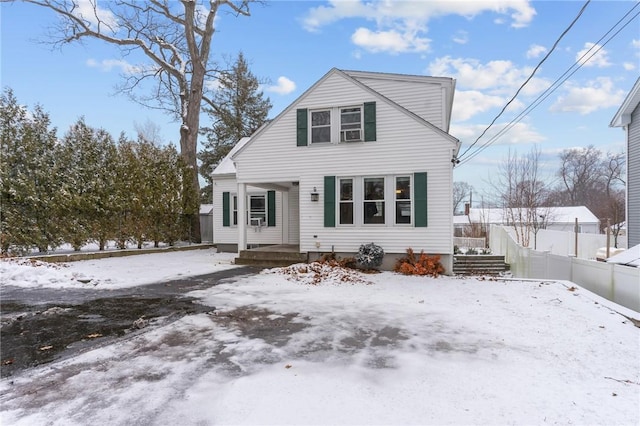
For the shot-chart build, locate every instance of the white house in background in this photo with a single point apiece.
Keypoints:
(628, 117)
(359, 157)
(552, 218)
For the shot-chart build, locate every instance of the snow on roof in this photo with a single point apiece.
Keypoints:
(630, 257)
(206, 208)
(227, 166)
(556, 215)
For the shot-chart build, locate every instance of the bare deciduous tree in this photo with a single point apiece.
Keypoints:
(522, 193)
(176, 37)
(593, 179)
(461, 192)
(580, 173)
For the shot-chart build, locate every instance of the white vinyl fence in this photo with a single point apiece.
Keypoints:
(470, 242)
(564, 243)
(618, 283)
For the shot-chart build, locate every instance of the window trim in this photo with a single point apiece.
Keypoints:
(360, 124)
(249, 211)
(335, 124)
(339, 201)
(389, 200)
(396, 200)
(233, 210)
(311, 126)
(364, 201)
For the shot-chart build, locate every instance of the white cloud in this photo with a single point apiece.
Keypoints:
(497, 77)
(212, 85)
(400, 26)
(635, 43)
(385, 12)
(518, 134)
(629, 66)
(461, 37)
(107, 65)
(469, 103)
(87, 10)
(284, 86)
(535, 51)
(596, 94)
(589, 58)
(389, 41)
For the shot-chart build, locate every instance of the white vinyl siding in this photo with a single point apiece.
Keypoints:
(404, 146)
(423, 99)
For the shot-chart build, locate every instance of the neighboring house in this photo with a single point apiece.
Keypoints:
(628, 117)
(552, 218)
(206, 223)
(359, 157)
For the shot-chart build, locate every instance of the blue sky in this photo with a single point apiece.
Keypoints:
(489, 47)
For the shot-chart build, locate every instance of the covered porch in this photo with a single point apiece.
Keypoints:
(268, 222)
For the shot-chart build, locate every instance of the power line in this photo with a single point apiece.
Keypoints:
(555, 44)
(580, 62)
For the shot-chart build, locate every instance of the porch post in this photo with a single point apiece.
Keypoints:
(242, 219)
(285, 217)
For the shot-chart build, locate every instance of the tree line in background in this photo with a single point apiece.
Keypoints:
(84, 187)
(585, 177)
(88, 187)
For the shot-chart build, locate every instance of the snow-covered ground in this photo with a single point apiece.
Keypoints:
(374, 349)
(115, 272)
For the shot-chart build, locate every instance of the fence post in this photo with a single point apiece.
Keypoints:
(575, 230)
(608, 236)
(546, 265)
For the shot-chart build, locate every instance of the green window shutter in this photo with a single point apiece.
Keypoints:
(369, 121)
(420, 199)
(329, 201)
(226, 209)
(301, 126)
(271, 208)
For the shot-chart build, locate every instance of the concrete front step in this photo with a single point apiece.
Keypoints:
(264, 263)
(270, 258)
(273, 255)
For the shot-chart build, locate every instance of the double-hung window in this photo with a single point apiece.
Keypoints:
(257, 210)
(350, 124)
(346, 201)
(234, 210)
(321, 126)
(403, 199)
(374, 202)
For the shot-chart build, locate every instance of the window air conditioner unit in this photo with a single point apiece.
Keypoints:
(351, 135)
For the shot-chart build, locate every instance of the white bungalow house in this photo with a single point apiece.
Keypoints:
(359, 157)
(628, 118)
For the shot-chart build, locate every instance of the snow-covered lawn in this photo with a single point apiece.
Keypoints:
(113, 273)
(385, 350)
